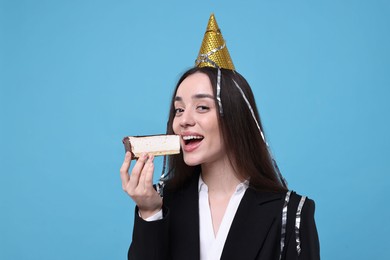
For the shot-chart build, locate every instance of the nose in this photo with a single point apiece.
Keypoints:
(187, 119)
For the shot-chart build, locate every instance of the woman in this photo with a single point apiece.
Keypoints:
(224, 197)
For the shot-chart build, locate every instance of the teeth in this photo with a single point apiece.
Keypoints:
(190, 137)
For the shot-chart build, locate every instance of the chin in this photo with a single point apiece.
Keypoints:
(191, 161)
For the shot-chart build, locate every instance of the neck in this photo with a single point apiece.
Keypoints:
(220, 177)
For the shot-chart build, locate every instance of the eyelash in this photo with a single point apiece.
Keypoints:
(201, 109)
(178, 110)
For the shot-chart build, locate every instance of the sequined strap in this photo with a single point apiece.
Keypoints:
(284, 222)
(298, 223)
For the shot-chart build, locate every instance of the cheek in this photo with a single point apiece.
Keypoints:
(216, 131)
(175, 126)
(212, 125)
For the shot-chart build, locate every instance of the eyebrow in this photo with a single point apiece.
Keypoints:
(197, 96)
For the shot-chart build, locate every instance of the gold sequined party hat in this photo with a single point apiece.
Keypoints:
(213, 52)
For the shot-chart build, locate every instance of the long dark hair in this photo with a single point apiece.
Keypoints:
(244, 145)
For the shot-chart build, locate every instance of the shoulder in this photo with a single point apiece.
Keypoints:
(298, 226)
(299, 202)
(290, 199)
(298, 207)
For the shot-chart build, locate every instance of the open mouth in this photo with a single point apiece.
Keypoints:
(192, 139)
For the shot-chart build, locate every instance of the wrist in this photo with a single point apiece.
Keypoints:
(144, 214)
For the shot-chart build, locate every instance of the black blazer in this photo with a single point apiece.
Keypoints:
(255, 232)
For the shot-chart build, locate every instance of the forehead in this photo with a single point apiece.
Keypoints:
(197, 83)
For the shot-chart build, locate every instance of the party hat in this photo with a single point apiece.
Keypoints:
(213, 52)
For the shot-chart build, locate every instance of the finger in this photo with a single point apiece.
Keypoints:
(149, 173)
(124, 170)
(136, 172)
(145, 170)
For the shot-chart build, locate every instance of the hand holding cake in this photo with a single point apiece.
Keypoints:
(139, 184)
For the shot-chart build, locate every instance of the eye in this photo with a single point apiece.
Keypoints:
(178, 111)
(202, 108)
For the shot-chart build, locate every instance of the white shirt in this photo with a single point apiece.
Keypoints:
(210, 246)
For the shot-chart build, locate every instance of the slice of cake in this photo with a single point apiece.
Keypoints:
(152, 144)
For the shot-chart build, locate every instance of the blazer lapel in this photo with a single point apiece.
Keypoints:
(256, 214)
(185, 222)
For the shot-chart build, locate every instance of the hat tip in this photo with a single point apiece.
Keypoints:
(213, 51)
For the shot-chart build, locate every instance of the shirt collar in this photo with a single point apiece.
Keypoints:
(240, 187)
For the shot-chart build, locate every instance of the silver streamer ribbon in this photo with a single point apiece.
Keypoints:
(283, 181)
(205, 58)
(161, 183)
(219, 92)
(298, 223)
(160, 187)
(284, 222)
(251, 109)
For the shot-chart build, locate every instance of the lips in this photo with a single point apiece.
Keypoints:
(191, 142)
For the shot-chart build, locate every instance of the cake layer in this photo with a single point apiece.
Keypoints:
(152, 144)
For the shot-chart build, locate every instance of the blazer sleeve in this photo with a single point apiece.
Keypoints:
(150, 239)
(310, 246)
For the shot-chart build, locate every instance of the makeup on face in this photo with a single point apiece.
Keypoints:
(196, 120)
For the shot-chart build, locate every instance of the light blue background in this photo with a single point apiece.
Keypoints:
(77, 76)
